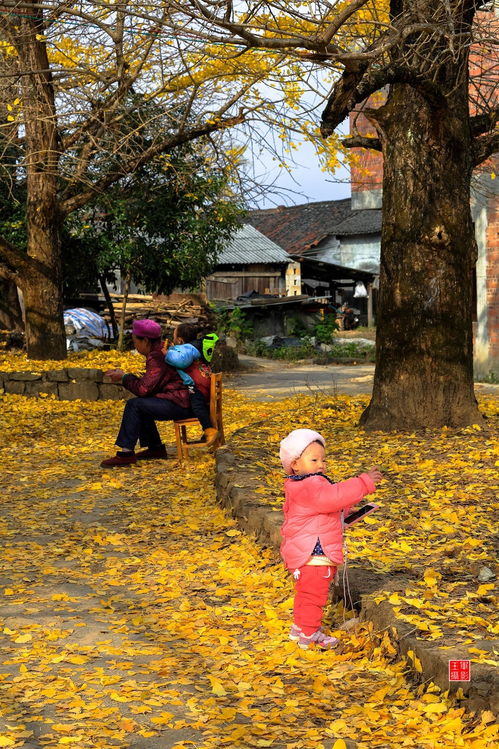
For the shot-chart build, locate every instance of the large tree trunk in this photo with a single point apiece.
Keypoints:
(42, 287)
(424, 356)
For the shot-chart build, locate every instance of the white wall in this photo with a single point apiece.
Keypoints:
(361, 252)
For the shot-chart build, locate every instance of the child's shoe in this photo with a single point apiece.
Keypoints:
(295, 633)
(318, 638)
(211, 435)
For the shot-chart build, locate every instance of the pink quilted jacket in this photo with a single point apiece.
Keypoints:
(312, 510)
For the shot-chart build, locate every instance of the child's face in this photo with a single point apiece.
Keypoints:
(312, 460)
(176, 338)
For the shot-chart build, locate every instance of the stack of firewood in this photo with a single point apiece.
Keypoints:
(168, 311)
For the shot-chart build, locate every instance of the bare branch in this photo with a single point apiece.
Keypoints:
(14, 264)
(485, 146)
(483, 123)
(327, 36)
(84, 196)
(362, 141)
(5, 273)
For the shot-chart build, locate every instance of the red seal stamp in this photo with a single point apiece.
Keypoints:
(459, 671)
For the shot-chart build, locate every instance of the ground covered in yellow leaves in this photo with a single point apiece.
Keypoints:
(437, 526)
(135, 614)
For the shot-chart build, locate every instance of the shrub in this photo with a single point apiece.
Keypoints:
(325, 329)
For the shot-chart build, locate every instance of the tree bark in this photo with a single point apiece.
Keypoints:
(424, 355)
(42, 286)
(11, 317)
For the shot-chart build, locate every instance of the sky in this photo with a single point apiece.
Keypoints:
(306, 183)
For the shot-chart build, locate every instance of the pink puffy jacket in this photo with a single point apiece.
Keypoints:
(312, 510)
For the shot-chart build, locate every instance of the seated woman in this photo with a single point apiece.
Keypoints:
(161, 396)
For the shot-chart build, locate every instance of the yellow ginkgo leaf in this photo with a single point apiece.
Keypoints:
(339, 744)
(436, 707)
(23, 638)
(217, 686)
(118, 697)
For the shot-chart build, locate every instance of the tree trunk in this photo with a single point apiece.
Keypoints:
(42, 288)
(126, 291)
(11, 317)
(424, 355)
(110, 305)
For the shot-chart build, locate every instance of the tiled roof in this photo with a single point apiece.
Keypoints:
(251, 246)
(360, 222)
(299, 228)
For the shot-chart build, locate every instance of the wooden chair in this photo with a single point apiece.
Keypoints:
(183, 444)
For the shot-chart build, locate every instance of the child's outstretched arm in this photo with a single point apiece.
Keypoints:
(336, 497)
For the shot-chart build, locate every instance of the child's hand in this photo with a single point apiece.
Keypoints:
(375, 475)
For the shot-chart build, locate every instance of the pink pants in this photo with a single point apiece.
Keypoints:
(311, 594)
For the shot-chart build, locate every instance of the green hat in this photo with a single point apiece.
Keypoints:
(209, 343)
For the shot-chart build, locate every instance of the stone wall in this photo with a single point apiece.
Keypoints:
(80, 383)
(68, 384)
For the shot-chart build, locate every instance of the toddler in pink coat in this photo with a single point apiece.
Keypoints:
(312, 532)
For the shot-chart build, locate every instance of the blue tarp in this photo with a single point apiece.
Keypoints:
(87, 324)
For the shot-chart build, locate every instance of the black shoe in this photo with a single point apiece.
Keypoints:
(152, 453)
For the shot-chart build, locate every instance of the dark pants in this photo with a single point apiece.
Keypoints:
(200, 408)
(139, 417)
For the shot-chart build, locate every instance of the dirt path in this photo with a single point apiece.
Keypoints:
(267, 379)
(136, 615)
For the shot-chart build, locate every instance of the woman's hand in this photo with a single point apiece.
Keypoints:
(115, 375)
(375, 475)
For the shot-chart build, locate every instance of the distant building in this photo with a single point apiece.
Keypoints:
(251, 262)
(337, 248)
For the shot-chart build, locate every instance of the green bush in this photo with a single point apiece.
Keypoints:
(307, 351)
(325, 329)
(347, 351)
(234, 323)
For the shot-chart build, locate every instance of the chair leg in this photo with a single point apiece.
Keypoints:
(185, 449)
(178, 441)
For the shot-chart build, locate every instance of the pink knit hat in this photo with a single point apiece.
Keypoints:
(146, 329)
(295, 443)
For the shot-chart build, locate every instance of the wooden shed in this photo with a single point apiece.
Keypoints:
(253, 262)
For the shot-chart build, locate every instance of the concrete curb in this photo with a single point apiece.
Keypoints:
(235, 486)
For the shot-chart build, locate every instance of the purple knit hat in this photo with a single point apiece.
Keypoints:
(295, 443)
(146, 329)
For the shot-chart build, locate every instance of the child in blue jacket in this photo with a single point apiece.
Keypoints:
(187, 349)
